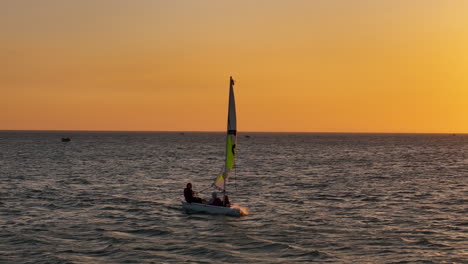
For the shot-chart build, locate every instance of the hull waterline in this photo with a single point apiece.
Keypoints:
(210, 209)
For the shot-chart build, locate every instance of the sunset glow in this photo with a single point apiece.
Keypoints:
(305, 66)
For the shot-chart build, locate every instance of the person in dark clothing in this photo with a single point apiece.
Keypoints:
(226, 201)
(190, 195)
(215, 200)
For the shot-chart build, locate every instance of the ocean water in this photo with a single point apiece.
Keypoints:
(114, 197)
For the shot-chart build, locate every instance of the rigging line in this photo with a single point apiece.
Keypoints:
(205, 188)
(235, 177)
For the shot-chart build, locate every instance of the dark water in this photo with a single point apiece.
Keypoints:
(325, 198)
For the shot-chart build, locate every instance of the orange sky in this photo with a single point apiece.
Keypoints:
(309, 66)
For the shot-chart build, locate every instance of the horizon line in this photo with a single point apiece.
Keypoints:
(221, 131)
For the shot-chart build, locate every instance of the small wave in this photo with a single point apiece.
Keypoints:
(371, 199)
(149, 232)
(135, 210)
(412, 261)
(423, 242)
(103, 251)
(307, 254)
(52, 206)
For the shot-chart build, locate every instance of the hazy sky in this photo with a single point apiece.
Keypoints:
(312, 65)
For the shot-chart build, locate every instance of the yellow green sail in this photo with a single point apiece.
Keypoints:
(231, 140)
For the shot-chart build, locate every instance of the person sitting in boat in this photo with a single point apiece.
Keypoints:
(226, 201)
(190, 195)
(215, 200)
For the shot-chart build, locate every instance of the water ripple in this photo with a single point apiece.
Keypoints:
(326, 198)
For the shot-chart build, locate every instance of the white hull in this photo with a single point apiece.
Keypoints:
(210, 209)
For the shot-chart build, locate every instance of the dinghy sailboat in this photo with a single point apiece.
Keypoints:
(221, 180)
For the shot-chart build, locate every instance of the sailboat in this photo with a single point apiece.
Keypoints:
(221, 180)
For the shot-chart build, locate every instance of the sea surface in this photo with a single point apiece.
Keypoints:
(115, 197)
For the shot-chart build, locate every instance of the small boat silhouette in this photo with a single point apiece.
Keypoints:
(66, 139)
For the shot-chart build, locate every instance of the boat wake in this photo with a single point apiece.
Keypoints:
(243, 211)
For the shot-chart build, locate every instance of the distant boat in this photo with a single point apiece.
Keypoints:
(221, 181)
(66, 139)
